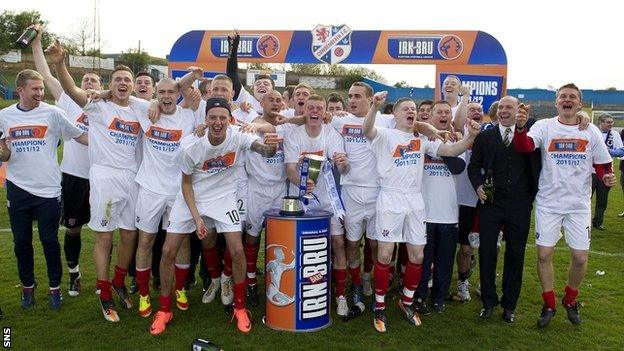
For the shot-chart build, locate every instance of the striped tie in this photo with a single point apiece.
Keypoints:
(506, 140)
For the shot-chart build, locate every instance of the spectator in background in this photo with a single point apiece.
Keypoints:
(387, 109)
(204, 88)
(622, 170)
(613, 142)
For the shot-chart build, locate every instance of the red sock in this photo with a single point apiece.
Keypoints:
(211, 261)
(251, 256)
(227, 263)
(239, 294)
(105, 289)
(356, 279)
(382, 274)
(570, 295)
(549, 299)
(143, 278)
(410, 282)
(368, 256)
(120, 276)
(181, 271)
(165, 303)
(340, 277)
(403, 258)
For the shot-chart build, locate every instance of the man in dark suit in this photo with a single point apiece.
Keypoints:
(515, 185)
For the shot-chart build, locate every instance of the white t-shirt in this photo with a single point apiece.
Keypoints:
(363, 170)
(466, 194)
(567, 157)
(158, 171)
(439, 192)
(33, 137)
(75, 155)
(114, 133)
(298, 143)
(400, 158)
(213, 166)
(271, 170)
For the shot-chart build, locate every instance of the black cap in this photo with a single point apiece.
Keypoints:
(217, 102)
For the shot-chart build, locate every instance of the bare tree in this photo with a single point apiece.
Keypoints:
(82, 37)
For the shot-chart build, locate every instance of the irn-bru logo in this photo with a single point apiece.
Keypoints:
(163, 134)
(83, 119)
(220, 163)
(353, 130)
(28, 132)
(120, 125)
(568, 145)
(413, 146)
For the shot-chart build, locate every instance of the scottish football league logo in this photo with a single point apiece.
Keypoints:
(331, 44)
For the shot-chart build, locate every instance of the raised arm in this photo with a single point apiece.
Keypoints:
(459, 119)
(232, 63)
(522, 142)
(368, 127)
(266, 150)
(51, 83)
(187, 80)
(457, 148)
(56, 53)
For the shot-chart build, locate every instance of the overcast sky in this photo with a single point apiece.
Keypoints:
(548, 43)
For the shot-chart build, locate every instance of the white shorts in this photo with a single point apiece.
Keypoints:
(360, 205)
(221, 213)
(151, 208)
(262, 198)
(576, 228)
(400, 218)
(112, 198)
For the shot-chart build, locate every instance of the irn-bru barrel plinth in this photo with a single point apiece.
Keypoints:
(297, 271)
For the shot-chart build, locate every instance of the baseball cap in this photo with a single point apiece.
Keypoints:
(217, 102)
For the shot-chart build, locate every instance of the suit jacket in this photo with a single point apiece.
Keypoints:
(487, 153)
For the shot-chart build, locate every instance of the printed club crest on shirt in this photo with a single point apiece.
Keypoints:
(331, 44)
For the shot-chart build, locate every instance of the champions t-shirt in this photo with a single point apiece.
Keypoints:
(75, 155)
(114, 133)
(269, 170)
(33, 137)
(298, 143)
(400, 158)
(161, 142)
(361, 158)
(567, 157)
(213, 166)
(439, 191)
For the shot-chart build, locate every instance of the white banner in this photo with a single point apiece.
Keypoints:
(279, 77)
(13, 56)
(91, 62)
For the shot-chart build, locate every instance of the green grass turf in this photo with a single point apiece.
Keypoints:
(80, 325)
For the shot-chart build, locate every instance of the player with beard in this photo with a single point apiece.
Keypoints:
(400, 208)
(74, 165)
(267, 187)
(113, 132)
